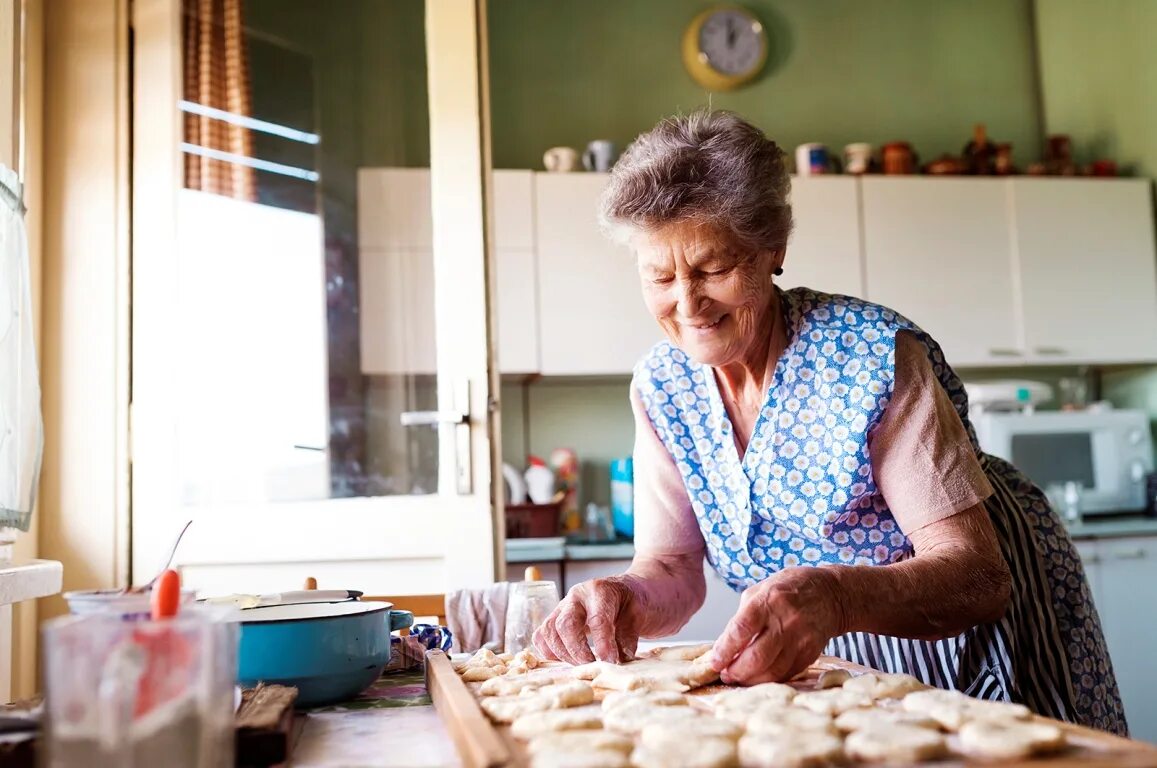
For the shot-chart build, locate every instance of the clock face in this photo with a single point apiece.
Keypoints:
(732, 42)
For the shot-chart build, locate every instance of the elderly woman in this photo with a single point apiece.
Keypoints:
(817, 450)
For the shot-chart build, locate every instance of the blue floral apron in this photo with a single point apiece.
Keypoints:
(803, 494)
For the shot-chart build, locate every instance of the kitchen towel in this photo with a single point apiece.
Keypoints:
(477, 617)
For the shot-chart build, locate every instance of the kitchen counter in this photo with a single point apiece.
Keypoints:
(1113, 527)
(559, 549)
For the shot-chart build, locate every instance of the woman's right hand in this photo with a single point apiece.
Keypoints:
(598, 619)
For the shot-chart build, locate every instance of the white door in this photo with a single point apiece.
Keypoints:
(1085, 243)
(938, 251)
(252, 414)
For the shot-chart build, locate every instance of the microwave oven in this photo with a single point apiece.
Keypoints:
(1109, 453)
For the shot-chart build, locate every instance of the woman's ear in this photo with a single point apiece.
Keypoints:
(777, 262)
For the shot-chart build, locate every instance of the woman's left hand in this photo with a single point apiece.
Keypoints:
(781, 627)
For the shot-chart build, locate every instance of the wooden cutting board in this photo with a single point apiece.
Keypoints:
(482, 744)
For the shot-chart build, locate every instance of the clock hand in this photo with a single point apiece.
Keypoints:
(731, 33)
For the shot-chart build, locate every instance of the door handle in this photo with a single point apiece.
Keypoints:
(1130, 554)
(431, 418)
(459, 422)
(1049, 351)
(1001, 352)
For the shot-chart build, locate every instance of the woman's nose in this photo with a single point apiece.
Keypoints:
(689, 297)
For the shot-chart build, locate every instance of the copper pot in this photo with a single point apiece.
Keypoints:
(897, 158)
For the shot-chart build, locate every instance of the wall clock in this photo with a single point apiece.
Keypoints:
(724, 47)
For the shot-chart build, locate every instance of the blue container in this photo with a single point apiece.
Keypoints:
(330, 652)
(623, 496)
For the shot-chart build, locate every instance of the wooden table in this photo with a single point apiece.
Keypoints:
(482, 745)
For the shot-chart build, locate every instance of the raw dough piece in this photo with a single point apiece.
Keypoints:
(658, 698)
(896, 744)
(754, 696)
(590, 670)
(632, 717)
(798, 750)
(573, 693)
(484, 656)
(507, 709)
(991, 739)
(833, 701)
(781, 720)
(953, 709)
(574, 719)
(677, 652)
(476, 673)
(661, 736)
(864, 719)
(510, 685)
(591, 758)
(523, 662)
(505, 658)
(883, 686)
(581, 741)
(694, 753)
(652, 674)
(832, 678)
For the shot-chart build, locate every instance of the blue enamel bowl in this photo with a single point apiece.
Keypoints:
(330, 652)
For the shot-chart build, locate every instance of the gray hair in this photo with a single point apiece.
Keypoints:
(709, 167)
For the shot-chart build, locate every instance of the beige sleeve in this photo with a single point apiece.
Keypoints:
(664, 520)
(922, 459)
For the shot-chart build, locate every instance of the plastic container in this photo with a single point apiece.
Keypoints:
(130, 606)
(623, 496)
(539, 481)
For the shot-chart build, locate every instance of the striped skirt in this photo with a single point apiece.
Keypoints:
(1048, 652)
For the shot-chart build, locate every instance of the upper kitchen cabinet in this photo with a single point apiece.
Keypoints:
(824, 250)
(516, 279)
(937, 250)
(1088, 270)
(592, 319)
(396, 271)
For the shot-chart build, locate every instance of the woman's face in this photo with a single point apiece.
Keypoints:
(710, 297)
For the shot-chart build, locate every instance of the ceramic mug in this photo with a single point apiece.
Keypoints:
(599, 156)
(812, 160)
(857, 158)
(561, 160)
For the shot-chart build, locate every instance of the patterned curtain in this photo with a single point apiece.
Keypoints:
(216, 75)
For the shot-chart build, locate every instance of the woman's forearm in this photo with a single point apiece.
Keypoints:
(950, 586)
(668, 590)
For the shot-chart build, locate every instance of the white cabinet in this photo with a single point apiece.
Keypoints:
(1087, 271)
(1121, 573)
(718, 607)
(396, 271)
(824, 250)
(516, 272)
(937, 251)
(592, 319)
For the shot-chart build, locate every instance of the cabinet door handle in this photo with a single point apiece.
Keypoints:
(1130, 554)
(1000, 352)
(1049, 351)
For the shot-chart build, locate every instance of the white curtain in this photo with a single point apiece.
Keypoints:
(21, 428)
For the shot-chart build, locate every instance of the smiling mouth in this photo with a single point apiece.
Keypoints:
(706, 326)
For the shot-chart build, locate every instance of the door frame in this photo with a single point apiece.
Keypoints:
(447, 526)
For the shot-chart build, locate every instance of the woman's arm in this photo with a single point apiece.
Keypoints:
(957, 579)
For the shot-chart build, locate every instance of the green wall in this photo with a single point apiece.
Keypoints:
(1098, 68)
(569, 71)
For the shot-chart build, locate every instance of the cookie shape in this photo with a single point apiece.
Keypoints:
(591, 758)
(779, 720)
(574, 719)
(693, 753)
(1012, 739)
(633, 717)
(581, 741)
(799, 750)
(833, 701)
(878, 717)
(896, 744)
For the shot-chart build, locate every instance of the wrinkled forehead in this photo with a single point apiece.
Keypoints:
(682, 241)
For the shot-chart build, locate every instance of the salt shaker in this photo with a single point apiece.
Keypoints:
(531, 601)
